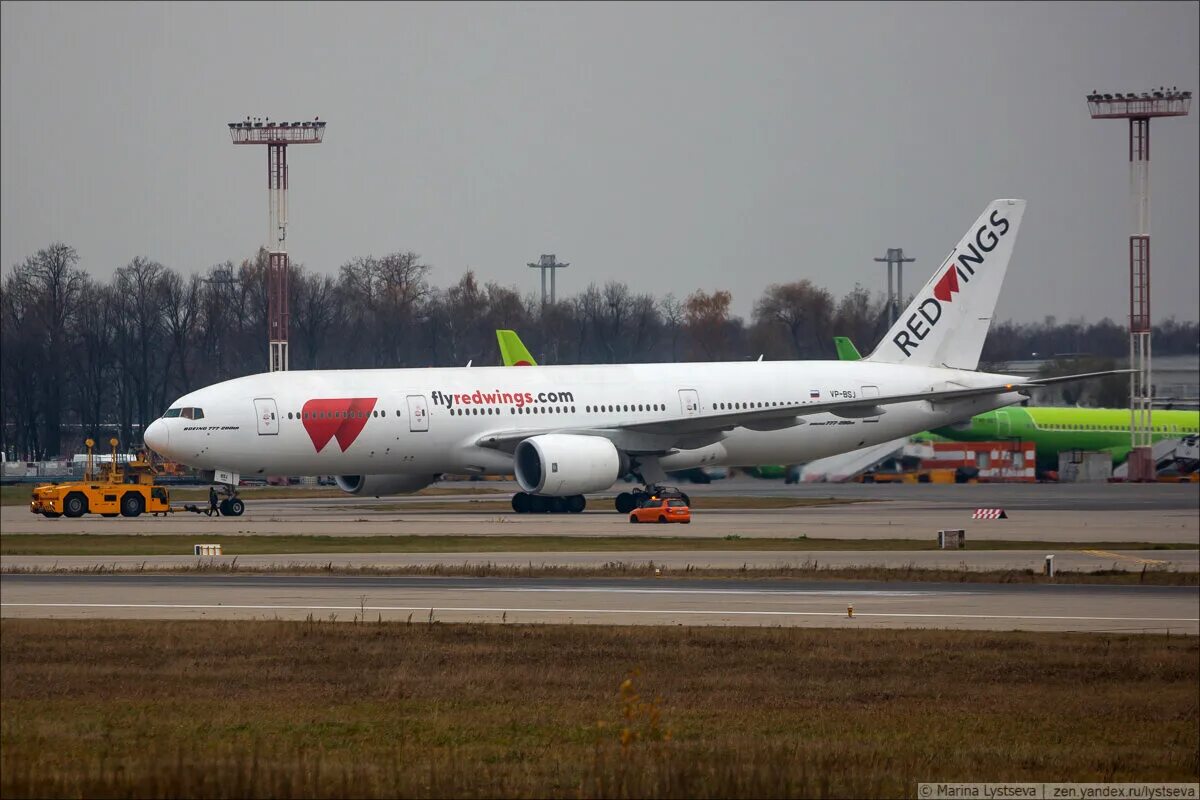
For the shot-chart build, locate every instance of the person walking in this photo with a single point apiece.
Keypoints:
(213, 506)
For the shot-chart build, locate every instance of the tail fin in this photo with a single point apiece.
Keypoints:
(845, 349)
(948, 319)
(513, 351)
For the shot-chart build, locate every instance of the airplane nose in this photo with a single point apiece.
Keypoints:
(157, 436)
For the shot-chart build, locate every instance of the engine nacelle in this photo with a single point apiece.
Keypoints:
(377, 485)
(565, 464)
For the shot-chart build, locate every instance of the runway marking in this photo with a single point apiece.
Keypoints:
(1120, 557)
(501, 609)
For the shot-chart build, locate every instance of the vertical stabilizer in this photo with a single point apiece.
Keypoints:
(513, 351)
(845, 349)
(947, 321)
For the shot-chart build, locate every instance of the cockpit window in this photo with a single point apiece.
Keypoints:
(172, 412)
(186, 413)
(197, 413)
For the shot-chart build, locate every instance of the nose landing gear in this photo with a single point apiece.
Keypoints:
(231, 506)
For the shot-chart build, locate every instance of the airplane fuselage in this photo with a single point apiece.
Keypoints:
(428, 421)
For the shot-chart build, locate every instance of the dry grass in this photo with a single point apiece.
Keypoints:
(810, 569)
(150, 544)
(274, 709)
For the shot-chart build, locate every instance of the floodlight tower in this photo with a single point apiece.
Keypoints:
(548, 262)
(277, 136)
(895, 259)
(1138, 110)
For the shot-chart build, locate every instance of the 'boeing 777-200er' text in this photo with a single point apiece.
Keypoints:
(568, 430)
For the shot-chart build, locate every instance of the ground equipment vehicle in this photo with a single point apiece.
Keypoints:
(115, 488)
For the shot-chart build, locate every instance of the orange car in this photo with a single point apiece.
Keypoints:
(662, 509)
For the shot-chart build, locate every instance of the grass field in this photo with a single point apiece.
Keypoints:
(52, 544)
(809, 569)
(317, 709)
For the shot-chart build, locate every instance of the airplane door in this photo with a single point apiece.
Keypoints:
(869, 391)
(1003, 425)
(268, 416)
(418, 413)
(689, 402)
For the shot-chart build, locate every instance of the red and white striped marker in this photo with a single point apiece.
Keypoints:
(989, 513)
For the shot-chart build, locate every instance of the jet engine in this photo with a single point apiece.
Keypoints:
(565, 464)
(378, 485)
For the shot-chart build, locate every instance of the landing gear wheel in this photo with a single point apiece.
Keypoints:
(233, 507)
(687, 501)
(576, 504)
(520, 503)
(633, 520)
(75, 505)
(558, 505)
(625, 503)
(538, 504)
(132, 505)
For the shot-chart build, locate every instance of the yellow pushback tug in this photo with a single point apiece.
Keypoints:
(126, 489)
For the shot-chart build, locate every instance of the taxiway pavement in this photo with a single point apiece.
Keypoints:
(1037, 512)
(653, 601)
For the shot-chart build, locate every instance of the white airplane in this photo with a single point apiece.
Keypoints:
(568, 430)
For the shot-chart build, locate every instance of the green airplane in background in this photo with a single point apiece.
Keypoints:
(1053, 429)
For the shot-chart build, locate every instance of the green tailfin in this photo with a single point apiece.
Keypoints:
(845, 349)
(513, 351)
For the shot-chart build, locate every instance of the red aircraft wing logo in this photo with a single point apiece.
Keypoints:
(342, 418)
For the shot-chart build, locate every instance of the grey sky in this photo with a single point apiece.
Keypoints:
(672, 146)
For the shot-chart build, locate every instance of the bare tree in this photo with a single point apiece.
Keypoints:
(709, 327)
(316, 307)
(383, 298)
(45, 292)
(803, 311)
(673, 318)
(143, 350)
(181, 315)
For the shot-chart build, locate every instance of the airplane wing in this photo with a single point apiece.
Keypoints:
(664, 434)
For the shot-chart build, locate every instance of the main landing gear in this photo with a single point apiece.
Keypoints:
(523, 503)
(628, 501)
